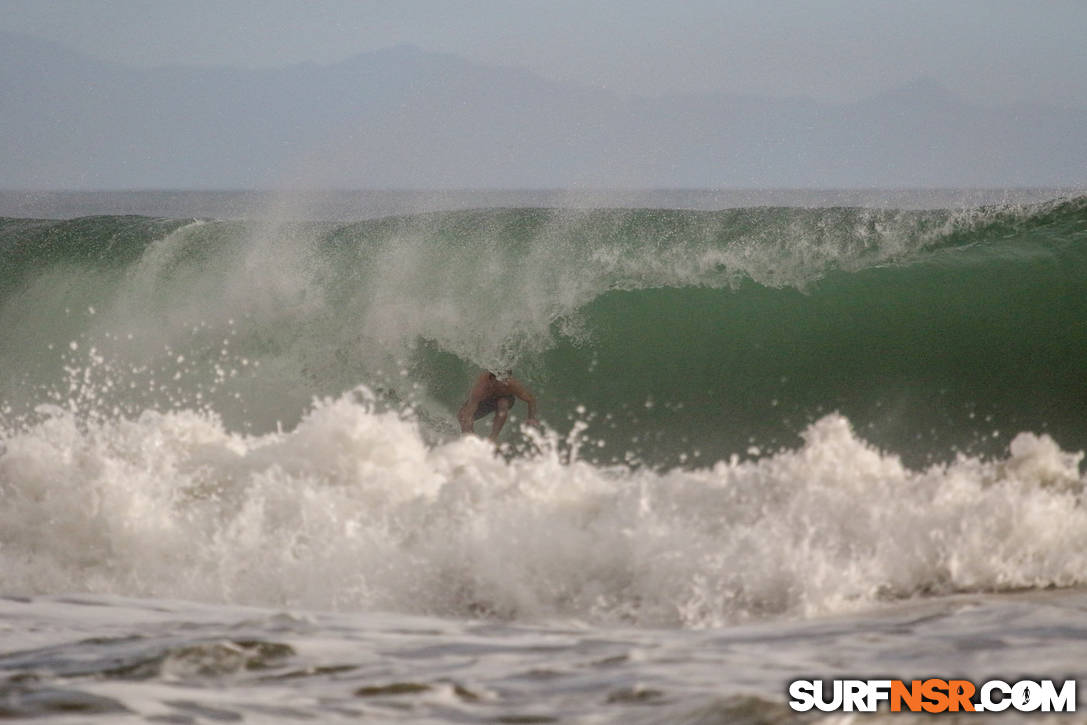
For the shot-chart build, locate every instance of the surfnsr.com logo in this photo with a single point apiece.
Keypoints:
(932, 695)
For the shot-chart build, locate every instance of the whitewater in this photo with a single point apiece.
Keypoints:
(779, 442)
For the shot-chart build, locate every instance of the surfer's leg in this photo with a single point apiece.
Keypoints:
(466, 416)
(501, 412)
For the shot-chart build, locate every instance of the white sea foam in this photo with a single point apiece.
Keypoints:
(352, 510)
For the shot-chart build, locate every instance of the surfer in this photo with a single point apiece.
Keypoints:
(495, 393)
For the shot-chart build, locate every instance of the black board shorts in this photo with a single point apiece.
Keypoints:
(490, 405)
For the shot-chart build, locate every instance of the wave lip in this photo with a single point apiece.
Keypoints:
(930, 330)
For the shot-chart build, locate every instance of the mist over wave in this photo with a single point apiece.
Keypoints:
(682, 335)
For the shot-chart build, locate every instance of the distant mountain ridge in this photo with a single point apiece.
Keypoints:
(402, 117)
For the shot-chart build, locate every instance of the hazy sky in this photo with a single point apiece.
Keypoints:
(991, 51)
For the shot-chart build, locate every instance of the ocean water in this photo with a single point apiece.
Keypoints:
(781, 441)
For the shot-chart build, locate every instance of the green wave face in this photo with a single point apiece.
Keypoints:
(679, 337)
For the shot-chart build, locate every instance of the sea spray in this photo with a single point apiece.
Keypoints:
(689, 336)
(352, 509)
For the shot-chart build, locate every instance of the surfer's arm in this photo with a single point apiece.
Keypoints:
(526, 395)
